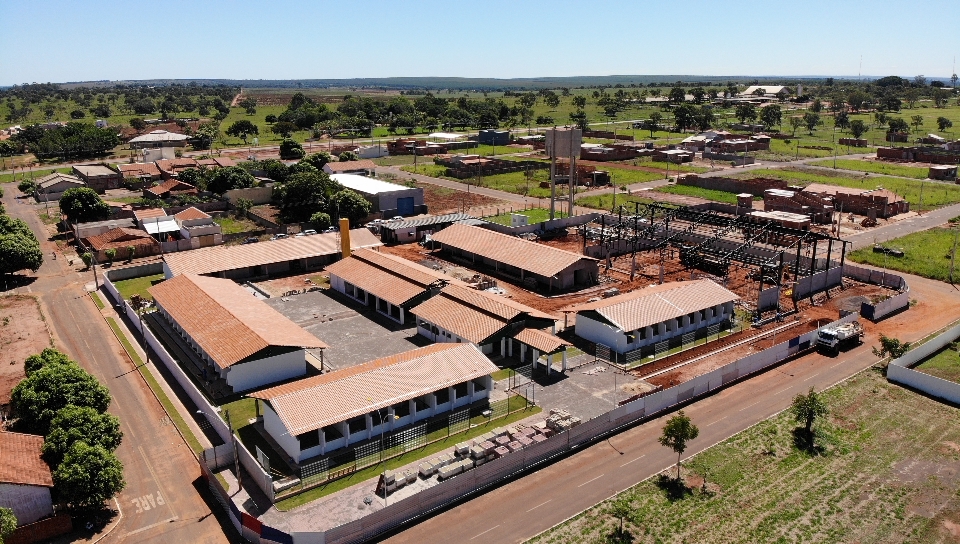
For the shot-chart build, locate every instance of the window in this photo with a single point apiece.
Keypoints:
(460, 390)
(332, 432)
(478, 386)
(703, 315)
(348, 288)
(309, 440)
(443, 396)
(642, 332)
(420, 404)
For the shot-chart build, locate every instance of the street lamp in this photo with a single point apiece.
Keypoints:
(384, 473)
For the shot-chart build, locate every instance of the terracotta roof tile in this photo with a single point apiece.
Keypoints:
(393, 279)
(120, 235)
(20, 461)
(350, 166)
(171, 185)
(149, 213)
(139, 169)
(312, 403)
(529, 256)
(541, 340)
(225, 320)
(658, 303)
(191, 213)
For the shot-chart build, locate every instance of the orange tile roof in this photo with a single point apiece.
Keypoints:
(393, 279)
(541, 340)
(658, 303)
(529, 256)
(220, 258)
(349, 166)
(313, 403)
(120, 236)
(225, 320)
(139, 169)
(149, 213)
(172, 184)
(20, 461)
(191, 213)
(176, 164)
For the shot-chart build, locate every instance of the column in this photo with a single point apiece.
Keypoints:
(536, 355)
(510, 347)
(412, 409)
(345, 431)
(503, 346)
(523, 351)
(470, 390)
(549, 363)
(390, 418)
(401, 315)
(323, 442)
(369, 420)
(432, 403)
(563, 359)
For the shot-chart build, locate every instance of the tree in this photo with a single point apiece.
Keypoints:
(698, 94)
(351, 205)
(676, 433)
(897, 124)
(746, 112)
(320, 220)
(940, 97)
(48, 356)
(620, 509)
(816, 106)
(858, 128)
(684, 116)
(579, 118)
(891, 347)
(8, 523)
(241, 129)
(552, 100)
(916, 121)
(880, 118)
(111, 254)
(19, 248)
(307, 193)
(144, 106)
(771, 115)
(88, 476)
(248, 104)
(303, 168)
(131, 252)
(806, 409)
(857, 99)
(911, 96)
(27, 186)
(653, 123)
(87, 258)
(101, 110)
(943, 123)
(841, 120)
(231, 177)
(283, 128)
(579, 101)
(920, 81)
(677, 95)
(811, 120)
(72, 424)
(82, 204)
(276, 170)
(348, 156)
(39, 396)
(795, 123)
(78, 114)
(290, 149)
(242, 206)
(195, 177)
(705, 117)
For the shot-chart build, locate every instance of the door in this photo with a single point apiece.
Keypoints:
(405, 206)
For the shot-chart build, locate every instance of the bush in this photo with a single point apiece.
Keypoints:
(320, 220)
(48, 356)
(290, 149)
(111, 254)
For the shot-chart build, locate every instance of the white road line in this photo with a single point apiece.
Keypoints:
(487, 531)
(157, 524)
(588, 481)
(751, 406)
(538, 506)
(717, 421)
(812, 376)
(637, 459)
(838, 364)
(781, 391)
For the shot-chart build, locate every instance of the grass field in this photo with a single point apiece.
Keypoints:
(926, 253)
(138, 286)
(18, 176)
(605, 201)
(943, 364)
(886, 474)
(232, 225)
(935, 194)
(535, 215)
(699, 192)
(876, 167)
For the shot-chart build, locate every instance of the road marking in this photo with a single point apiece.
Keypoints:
(538, 506)
(838, 364)
(717, 421)
(637, 459)
(487, 531)
(155, 480)
(151, 526)
(751, 406)
(781, 391)
(812, 376)
(588, 481)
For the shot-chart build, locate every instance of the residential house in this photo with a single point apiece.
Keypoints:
(52, 186)
(98, 177)
(25, 478)
(363, 167)
(159, 138)
(169, 188)
(120, 239)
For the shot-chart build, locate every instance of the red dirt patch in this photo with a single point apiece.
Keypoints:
(23, 333)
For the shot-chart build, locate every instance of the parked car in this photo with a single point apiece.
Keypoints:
(308, 232)
(251, 240)
(278, 237)
(299, 234)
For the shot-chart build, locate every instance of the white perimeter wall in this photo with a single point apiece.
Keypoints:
(246, 376)
(276, 429)
(28, 502)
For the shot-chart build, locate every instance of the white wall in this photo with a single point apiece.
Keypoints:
(276, 429)
(28, 502)
(245, 376)
(609, 335)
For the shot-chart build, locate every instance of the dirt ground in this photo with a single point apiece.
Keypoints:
(441, 200)
(23, 332)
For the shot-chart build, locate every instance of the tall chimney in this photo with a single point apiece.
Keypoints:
(345, 237)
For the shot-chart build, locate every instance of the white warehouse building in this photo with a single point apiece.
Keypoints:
(654, 314)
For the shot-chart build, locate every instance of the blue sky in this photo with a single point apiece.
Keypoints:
(58, 41)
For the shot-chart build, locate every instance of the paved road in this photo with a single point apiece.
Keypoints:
(161, 502)
(527, 506)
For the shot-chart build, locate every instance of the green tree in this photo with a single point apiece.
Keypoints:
(816, 106)
(916, 121)
(858, 128)
(943, 123)
(698, 94)
(19, 248)
(579, 118)
(276, 170)
(348, 156)
(39, 396)
(653, 122)
(231, 177)
(87, 258)
(249, 105)
(302, 168)
(796, 122)
(745, 112)
(82, 204)
(620, 509)
(47, 357)
(318, 160)
(891, 347)
(857, 99)
(684, 116)
(290, 149)
(771, 115)
(811, 120)
(676, 433)
(307, 193)
(88, 476)
(242, 206)
(897, 124)
(579, 101)
(195, 177)
(78, 114)
(841, 120)
(320, 220)
(110, 254)
(677, 95)
(880, 118)
(8, 524)
(283, 128)
(806, 409)
(27, 186)
(241, 129)
(351, 205)
(73, 424)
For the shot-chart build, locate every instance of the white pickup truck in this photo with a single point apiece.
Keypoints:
(833, 339)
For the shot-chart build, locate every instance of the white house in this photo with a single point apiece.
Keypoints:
(25, 479)
(198, 225)
(242, 340)
(388, 199)
(52, 186)
(317, 415)
(654, 314)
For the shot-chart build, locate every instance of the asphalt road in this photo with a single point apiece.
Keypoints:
(164, 499)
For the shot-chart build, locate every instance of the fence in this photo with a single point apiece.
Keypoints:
(877, 311)
(900, 371)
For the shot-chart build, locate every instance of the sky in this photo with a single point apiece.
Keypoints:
(85, 40)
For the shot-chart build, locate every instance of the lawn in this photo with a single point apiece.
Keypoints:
(926, 253)
(699, 192)
(876, 167)
(935, 194)
(943, 364)
(138, 286)
(35, 174)
(535, 215)
(624, 176)
(427, 168)
(689, 168)
(605, 201)
(232, 225)
(884, 475)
